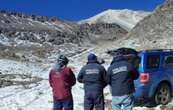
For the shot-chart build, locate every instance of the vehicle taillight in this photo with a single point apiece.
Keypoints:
(144, 77)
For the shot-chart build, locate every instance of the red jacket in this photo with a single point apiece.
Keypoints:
(62, 82)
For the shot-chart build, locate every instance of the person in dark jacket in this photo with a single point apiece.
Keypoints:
(120, 76)
(61, 79)
(93, 75)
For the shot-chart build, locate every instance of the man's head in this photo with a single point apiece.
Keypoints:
(62, 60)
(92, 58)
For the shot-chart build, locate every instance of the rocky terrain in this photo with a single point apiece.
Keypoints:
(41, 29)
(24, 36)
(154, 31)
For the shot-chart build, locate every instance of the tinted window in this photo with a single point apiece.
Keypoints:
(153, 61)
(169, 61)
(135, 60)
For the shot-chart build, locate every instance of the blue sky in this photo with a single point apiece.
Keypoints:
(75, 10)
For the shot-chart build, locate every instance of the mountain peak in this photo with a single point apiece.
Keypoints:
(125, 18)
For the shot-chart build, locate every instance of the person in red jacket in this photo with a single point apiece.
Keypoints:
(61, 79)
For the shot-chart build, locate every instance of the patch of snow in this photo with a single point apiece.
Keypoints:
(15, 98)
(4, 40)
(26, 43)
(30, 23)
(15, 17)
(2, 21)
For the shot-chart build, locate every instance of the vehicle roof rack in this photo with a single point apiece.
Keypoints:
(157, 50)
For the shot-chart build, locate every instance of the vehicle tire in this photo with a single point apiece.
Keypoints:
(162, 94)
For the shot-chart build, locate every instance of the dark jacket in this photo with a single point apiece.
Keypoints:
(93, 75)
(121, 75)
(62, 82)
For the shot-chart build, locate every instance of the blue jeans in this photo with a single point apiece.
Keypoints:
(124, 102)
(66, 104)
(93, 100)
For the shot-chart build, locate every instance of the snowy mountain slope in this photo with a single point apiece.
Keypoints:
(34, 38)
(17, 27)
(125, 18)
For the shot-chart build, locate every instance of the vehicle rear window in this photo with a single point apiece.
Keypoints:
(153, 61)
(169, 61)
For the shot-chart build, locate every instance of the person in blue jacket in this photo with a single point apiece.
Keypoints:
(93, 75)
(120, 76)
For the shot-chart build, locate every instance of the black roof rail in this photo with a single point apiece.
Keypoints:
(158, 50)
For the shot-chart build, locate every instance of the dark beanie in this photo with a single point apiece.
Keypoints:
(92, 58)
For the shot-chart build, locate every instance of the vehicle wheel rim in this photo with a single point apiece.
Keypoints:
(162, 96)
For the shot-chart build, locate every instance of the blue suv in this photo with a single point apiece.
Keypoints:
(155, 83)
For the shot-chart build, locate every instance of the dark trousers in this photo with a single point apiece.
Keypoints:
(93, 99)
(65, 104)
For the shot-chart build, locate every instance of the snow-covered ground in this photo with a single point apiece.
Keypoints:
(4, 40)
(38, 96)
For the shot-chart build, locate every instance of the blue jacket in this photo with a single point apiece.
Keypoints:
(93, 75)
(121, 75)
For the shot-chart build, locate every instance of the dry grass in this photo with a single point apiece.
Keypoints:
(9, 53)
(11, 79)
